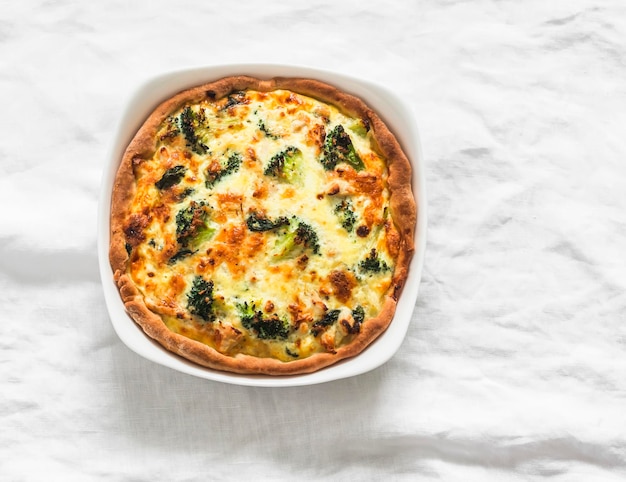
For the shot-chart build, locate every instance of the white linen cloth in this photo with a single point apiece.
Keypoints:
(514, 366)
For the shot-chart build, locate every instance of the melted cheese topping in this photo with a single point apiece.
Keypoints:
(219, 230)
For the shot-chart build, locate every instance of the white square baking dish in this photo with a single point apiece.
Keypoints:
(398, 117)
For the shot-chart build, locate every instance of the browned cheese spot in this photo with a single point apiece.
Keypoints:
(362, 231)
(393, 239)
(316, 136)
(342, 283)
(134, 229)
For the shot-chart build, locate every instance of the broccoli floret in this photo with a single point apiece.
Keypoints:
(200, 299)
(182, 253)
(263, 128)
(195, 128)
(171, 177)
(263, 327)
(193, 227)
(307, 236)
(247, 311)
(373, 264)
(297, 235)
(185, 193)
(286, 165)
(338, 148)
(232, 165)
(358, 315)
(171, 129)
(360, 127)
(346, 215)
(260, 223)
(189, 220)
(329, 318)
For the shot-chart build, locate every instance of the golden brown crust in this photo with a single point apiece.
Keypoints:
(402, 206)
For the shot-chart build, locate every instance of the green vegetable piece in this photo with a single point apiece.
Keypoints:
(232, 165)
(200, 299)
(286, 165)
(259, 223)
(295, 237)
(183, 253)
(329, 318)
(338, 148)
(346, 214)
(171, 129)
(358, 315)
(195, 128)
(263, 128)
(373, 264)
(263, 327)
(360, 127)
(171, 177)
(193, 225)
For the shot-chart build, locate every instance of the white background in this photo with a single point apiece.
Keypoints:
(514, 366)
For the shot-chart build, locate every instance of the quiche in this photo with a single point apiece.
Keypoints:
(262, 226)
